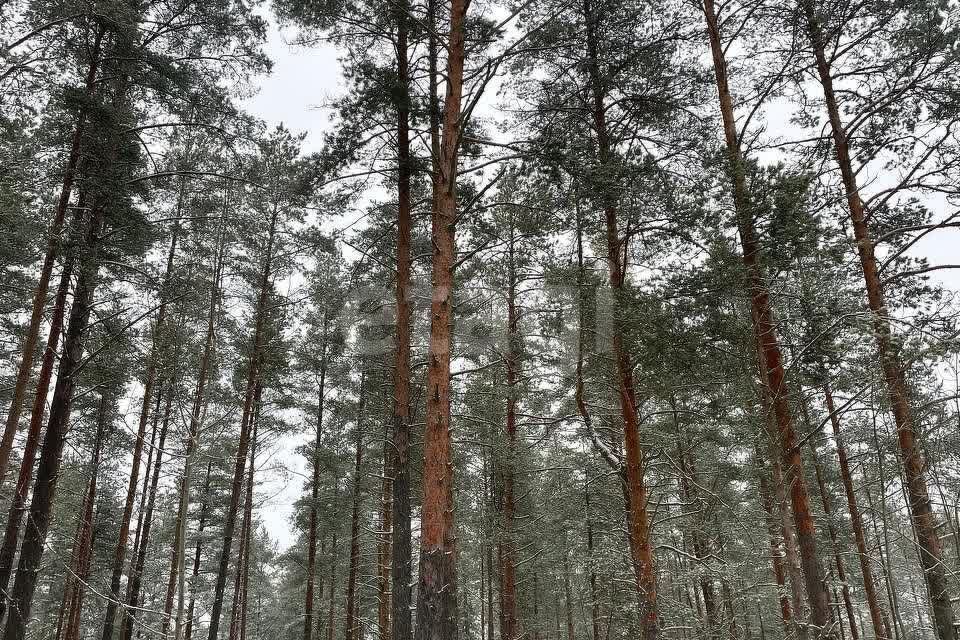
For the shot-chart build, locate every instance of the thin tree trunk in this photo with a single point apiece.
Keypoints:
(437, 592)
(594, 594)
(320, 587)
(238, 612)
(178, 551)
(233, 631)
(80, 566)
(488, 482)
(151, 449)
(383, 545)
(889, 573)
(690, 493)
(791, 554)
(136, 576)
(188, 632)
(921, 511)
(315, 489)
(727, 596)
(483, 582)
(896, 631)
(333, 584)
(639, 526)
(46, 270)
(776, 553)
(835, 541)
(253, 377)
(354, 567)
(856, 522)
(568, 594)
(153, 361)
(509, 624)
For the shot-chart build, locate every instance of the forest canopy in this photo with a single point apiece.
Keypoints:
(594, 320)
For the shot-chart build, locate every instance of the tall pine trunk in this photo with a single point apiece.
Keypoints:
(253, 378)
(46, 270)
(856, 523)
(641, 550)
(350, 626)
(11, 536)
(401, 566)
(510, 628)
(315, 488)
(136, 573)
(770, 355)
(437, 592)
(48, 472)
(921, 512)
(154, 361)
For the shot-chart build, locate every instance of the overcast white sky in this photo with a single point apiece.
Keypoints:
(303, 81)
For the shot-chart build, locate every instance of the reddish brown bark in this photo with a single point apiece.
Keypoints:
(771, 360)
(48, 470)
(75, 586)
(46, 271)
(437, 592)
(641, 550)
(921, 512)
(856, 522)
(18, 505)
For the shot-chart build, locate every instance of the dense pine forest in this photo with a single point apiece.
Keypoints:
(589, 320)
